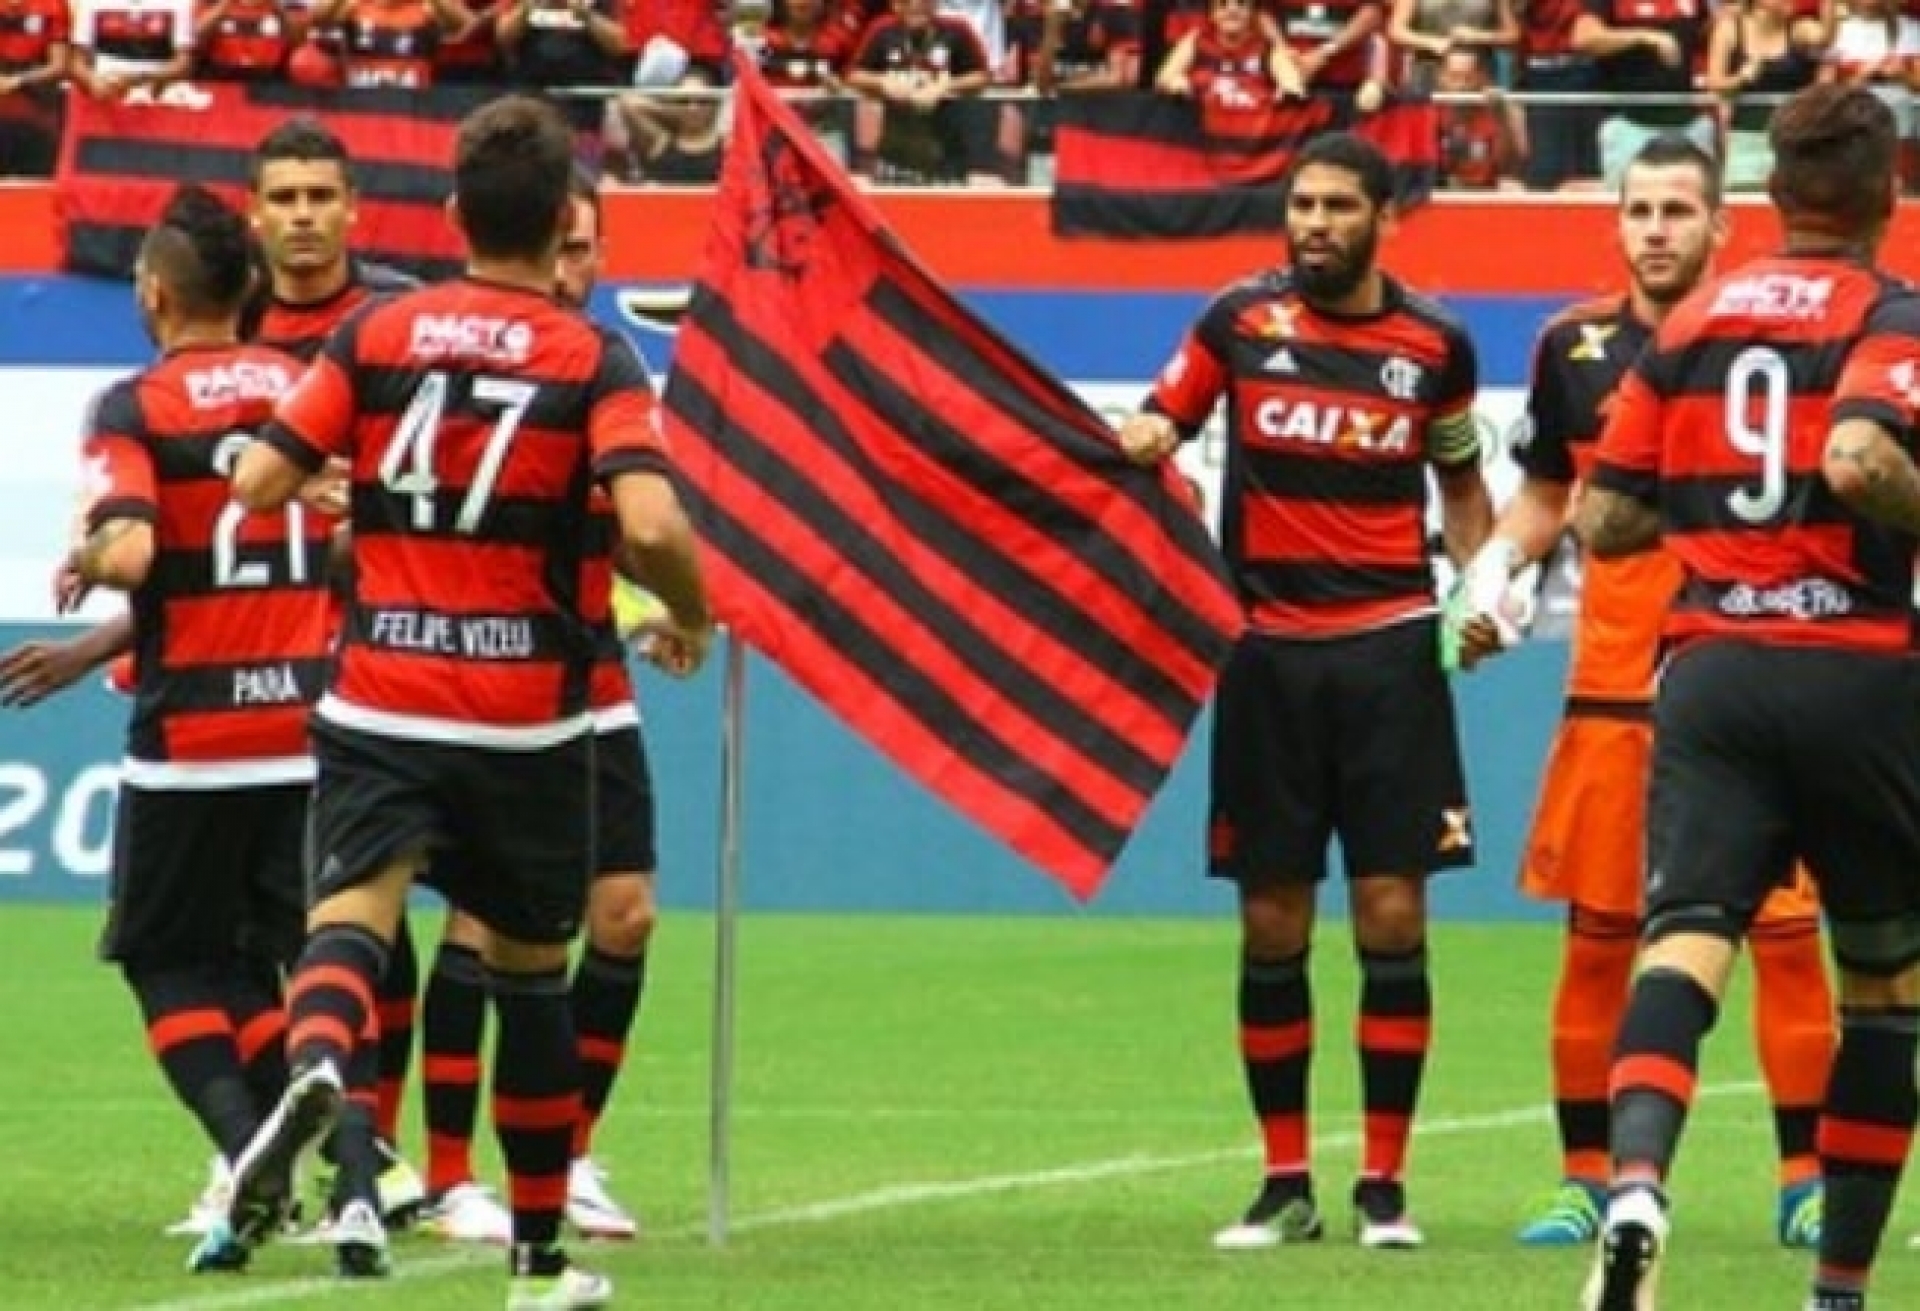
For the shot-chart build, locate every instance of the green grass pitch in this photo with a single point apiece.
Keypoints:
(931, 1114)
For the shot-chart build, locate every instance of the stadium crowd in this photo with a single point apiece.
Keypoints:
(1537, 94)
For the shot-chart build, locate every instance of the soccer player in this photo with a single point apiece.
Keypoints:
(1586, 848)
(232, 634)
(1333, 716)
(610, 975)
(1767, 438)
(475, 416)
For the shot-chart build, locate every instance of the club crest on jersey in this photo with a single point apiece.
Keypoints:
(1401, 378)
(1339, 426)
(1592, 346)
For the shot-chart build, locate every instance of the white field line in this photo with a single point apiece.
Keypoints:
(890, 1198)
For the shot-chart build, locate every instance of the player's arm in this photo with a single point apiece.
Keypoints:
(1533, 520)
(115, 546)
(1618, 511)
(1868, 461)
(655, 546)
(34, 671)
(1453, 449)
(1182, 396)
(311, 425)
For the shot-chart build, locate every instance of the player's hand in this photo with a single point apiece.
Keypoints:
(677, 649)
(1500, 591)
(328, 491)
(34, 671)
(1479, 638)
(1148, 438)
(70, 590)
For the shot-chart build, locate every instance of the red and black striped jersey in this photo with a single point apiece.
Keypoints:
(1331, 424)
(1578, 363)
(390, 45)
(302, 329)
(1233, 77)
(232, 620)
(475, 417)
(1723, 425)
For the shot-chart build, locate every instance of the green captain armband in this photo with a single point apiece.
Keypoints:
(1454, 441)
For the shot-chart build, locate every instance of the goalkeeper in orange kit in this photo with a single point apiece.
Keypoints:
(1586, 847)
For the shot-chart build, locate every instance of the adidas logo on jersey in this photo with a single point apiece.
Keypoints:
(1281, 361)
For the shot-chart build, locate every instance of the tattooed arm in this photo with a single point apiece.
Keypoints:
(1866, 468)
(1613, 523)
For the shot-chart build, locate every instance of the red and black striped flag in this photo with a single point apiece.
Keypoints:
(1157, 168)
(119, 163)
(933, 536)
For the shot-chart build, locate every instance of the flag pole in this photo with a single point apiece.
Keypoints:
(726, 914)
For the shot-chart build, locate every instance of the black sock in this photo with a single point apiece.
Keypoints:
(1655, 1067)
(191, 1036)
(453, 1018)
(536, 1098)
(606, 996)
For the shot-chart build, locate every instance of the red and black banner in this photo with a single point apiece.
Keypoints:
(933, 536)
(119, 163)
(1158, 168)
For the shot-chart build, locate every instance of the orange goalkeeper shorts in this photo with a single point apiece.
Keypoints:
(1588, 842)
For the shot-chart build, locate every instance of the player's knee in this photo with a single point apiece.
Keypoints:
(1879, 960)
(621, 915)
(1389, 914)
(1276, 922)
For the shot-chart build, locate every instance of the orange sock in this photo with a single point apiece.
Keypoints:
(1793, 1029)
(1596, 970)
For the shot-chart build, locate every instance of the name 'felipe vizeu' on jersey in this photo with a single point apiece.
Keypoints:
(1723, 425)
(231, 623)
(1332, 422)
(475, 417)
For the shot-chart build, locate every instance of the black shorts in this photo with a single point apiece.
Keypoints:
(623, 800)
(200, 876)
(510, 832)
(1353, 738)
(1767, 755)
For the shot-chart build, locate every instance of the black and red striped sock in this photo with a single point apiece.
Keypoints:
(259, 1014)
(1276, 1048)
(398, 1002)
(606, 996)
(453, 1019)
(191, 1035)
(536, 1097)
(1865, 1135)
(330, 1001)
(1655, 1068)
(1394, 1030)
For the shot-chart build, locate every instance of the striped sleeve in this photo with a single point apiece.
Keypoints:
(1881, 380)
(1629, 459)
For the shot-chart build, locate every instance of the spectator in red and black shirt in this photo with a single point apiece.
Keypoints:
(475, 415)
(564, 43)
(1645, 48)
(1344, 391)
(208, 889)
(803, 47)
(1232, 62)
(1078, 45)
(391, 43)
(920, 65)
(131, 46)
(33, 62)
(1560, 137)
(1766, 438)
